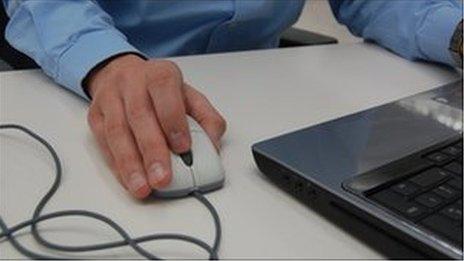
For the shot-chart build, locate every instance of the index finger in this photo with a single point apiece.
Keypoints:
(166, 93)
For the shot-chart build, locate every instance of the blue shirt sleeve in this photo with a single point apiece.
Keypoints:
(413, 29)
(66, 38)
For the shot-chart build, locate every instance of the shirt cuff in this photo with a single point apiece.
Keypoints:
(434, 37)
(88, 51)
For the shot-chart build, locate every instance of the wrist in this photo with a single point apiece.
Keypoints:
(116, 62)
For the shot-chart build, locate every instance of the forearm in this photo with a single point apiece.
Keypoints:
(413, 29)
(66, 38)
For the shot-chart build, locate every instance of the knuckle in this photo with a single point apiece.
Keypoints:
(197, 106)
(164, 71)
(169, 64)
(104, 96)
(136, 112)
(115, 128)
(200, 101)
(91, 121)
(92, 118)
(122, 77)
(172, 122)
(220, 123)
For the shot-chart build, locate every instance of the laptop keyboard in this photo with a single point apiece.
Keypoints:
(431, 198)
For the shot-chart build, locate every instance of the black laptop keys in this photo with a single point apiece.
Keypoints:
(431, 198)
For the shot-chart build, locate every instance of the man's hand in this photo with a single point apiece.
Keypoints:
(138, 114)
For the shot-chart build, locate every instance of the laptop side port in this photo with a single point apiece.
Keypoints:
(290, 182)
(333, 208)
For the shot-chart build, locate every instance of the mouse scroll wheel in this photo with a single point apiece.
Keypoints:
(187, 158)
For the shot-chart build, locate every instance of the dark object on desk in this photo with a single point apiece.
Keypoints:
(293, 37)
(396, 167)
(17, 60)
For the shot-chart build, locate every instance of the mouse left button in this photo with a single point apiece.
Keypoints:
(181, 183)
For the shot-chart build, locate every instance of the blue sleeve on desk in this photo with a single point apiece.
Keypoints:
(66, 38)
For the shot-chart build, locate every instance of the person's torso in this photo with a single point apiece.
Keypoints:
(182, 27)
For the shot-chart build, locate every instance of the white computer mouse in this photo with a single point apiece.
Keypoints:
(206, 172)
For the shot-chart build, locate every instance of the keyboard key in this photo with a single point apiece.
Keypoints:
(452, 150)
(454, 167)
(396, 202)
(456, 183)
(458, 204)
(444, 227)
(413, 211)
(430, 177)
(429, 200)
(438, 157)
(454, 212)
(446, 191)
(405, 188)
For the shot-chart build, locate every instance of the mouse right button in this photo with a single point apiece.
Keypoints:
(207, 165)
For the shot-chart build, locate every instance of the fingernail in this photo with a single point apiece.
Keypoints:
(136, 181)
(156, 174)
(179, 141)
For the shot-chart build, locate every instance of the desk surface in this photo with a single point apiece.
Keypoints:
(261, 94)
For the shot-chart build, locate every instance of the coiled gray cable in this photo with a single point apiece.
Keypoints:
(8, 232)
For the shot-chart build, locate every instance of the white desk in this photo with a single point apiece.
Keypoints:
(261, 94)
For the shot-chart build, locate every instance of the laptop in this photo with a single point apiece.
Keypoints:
(396, 167)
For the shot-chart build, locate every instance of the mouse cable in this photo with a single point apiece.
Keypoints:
(8, 232)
